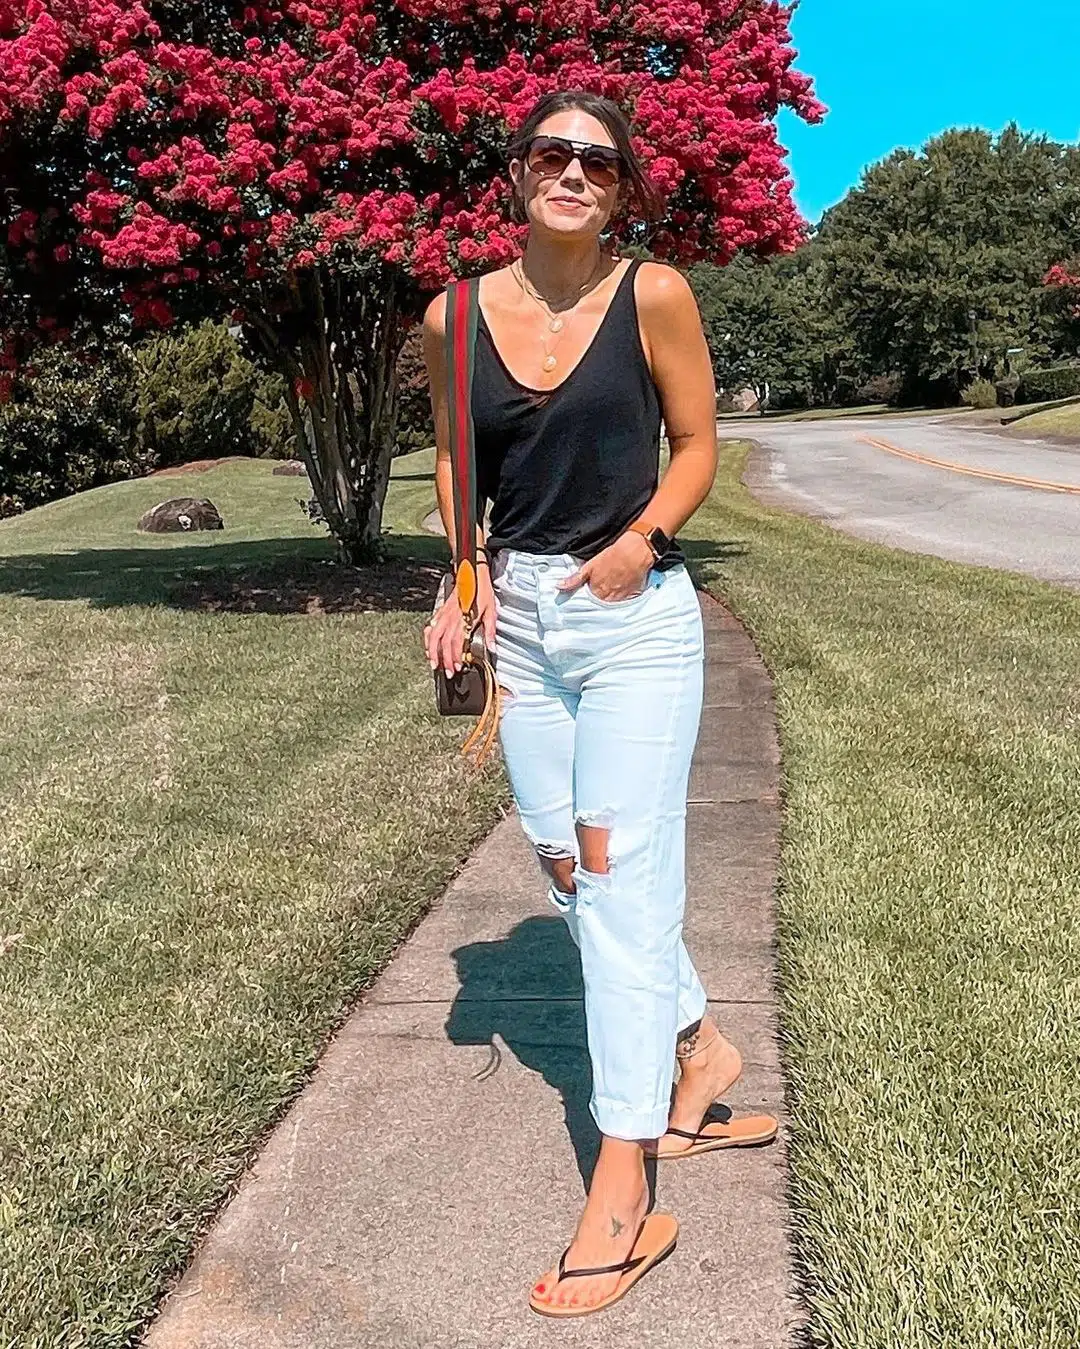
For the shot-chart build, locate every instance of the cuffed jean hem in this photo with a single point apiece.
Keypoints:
(561, 900)
(615, 1119)
(691, 1008)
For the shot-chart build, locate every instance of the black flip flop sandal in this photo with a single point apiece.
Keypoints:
(720, 1129)
(655, 1242)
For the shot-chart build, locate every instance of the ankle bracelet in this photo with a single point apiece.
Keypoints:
(688, 1048)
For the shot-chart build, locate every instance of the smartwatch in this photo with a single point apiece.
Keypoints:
(654, 536)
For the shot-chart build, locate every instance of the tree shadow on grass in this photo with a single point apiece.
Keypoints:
(263, 576)
(526, 988)
(266, 576)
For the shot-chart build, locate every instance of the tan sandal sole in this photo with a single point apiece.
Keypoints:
(750, 1132)
(656, 1240)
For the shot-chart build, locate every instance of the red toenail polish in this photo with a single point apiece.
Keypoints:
(541, 1287)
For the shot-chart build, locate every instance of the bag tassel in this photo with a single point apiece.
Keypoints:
(487, 725)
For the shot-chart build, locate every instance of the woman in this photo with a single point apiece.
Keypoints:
(599, 641)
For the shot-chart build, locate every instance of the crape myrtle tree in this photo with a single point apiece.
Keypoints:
(317, 169)
(1063, 282)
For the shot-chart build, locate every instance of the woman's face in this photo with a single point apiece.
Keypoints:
(568, 203)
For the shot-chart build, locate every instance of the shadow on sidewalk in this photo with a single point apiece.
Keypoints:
(526, 988)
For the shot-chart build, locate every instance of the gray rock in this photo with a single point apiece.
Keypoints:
(180, 515)
(289, 468)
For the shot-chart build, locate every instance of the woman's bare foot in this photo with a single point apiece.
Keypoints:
(614, 1211)
(708, 1065)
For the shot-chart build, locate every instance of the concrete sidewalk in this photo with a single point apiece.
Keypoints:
(433, 1168)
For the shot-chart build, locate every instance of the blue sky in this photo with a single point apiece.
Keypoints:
(896, 72)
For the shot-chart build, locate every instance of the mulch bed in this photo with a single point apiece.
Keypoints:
(313, 587)
(200, 465)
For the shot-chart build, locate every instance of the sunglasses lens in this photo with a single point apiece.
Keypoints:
(601, 169)
(549, 157)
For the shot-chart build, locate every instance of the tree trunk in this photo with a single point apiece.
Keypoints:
(338, 350)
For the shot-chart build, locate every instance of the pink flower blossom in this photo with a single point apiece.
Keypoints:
(293, 139)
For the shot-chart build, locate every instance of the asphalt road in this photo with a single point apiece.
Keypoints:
(829, 469)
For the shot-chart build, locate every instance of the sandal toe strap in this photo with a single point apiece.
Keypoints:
(624, 1268)
(716, 1114)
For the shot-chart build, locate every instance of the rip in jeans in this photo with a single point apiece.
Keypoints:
(559, 862)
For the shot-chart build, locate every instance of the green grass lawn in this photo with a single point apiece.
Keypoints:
(809, 414)
(929, 926)
(1063, 420)
(216, 825)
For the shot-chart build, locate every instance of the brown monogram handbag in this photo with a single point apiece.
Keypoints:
(472, 691)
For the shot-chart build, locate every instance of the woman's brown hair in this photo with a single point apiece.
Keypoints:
(643, 199)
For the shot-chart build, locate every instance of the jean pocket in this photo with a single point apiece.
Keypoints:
(651, 582)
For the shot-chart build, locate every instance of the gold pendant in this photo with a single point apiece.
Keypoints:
(556, 325)
(549, 362)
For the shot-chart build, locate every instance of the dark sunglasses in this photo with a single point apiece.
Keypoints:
(550, 156)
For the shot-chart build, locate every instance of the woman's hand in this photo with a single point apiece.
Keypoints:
(618, 573)
(444, 636)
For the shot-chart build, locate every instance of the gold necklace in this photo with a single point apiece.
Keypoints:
(556, 322)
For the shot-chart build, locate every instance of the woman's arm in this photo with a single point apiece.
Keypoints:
(678, 356)
(435, 360)
(682, 370)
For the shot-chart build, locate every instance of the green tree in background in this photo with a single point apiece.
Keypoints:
(771, 328)
(936, 260)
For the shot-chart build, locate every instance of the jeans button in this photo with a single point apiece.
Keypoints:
(542, 567)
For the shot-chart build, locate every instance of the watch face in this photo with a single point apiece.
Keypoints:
(660, 541)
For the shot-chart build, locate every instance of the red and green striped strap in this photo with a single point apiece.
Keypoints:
(462, 317)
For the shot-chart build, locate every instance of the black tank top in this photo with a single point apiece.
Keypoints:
(568, 469)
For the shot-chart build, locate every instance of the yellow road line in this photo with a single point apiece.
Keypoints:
(1012, 479)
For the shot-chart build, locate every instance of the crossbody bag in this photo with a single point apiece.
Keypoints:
(473, 690)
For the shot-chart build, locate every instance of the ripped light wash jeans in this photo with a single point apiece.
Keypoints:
(599, 726)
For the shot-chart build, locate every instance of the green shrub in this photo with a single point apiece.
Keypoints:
(942, 391)
(70, 424)
(199, 397)
(271, 424)
(788, 398)
(980, 393)
(1043, 386)
(846, 392)
(880, 389)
